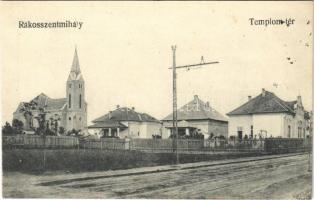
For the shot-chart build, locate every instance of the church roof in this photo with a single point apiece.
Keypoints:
(196, 110)
(75, 73)
(265, 103)
(75, 64)
(125, 114)
(43, 101)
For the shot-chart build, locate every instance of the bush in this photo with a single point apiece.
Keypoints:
(7, 129)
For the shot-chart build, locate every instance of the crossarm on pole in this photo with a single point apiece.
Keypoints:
(194, 65)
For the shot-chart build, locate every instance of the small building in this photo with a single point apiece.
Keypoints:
(197, 117)
(267, 115)
(124, 122)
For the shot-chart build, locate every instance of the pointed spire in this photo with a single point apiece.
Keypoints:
(75, 64)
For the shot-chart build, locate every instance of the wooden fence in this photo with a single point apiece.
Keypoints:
(271, 145)
(108, 143)
(166, 144)
(234, 145)
(36, 141)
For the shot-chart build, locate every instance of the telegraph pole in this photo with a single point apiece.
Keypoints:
(174, 116)
(174, 92)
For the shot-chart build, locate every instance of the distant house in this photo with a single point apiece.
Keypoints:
(197, 116)
(267, 115)
(124, 122)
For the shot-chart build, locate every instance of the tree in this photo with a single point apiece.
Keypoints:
(61, 130)
(17, 126)
(74, 132)
(7, 129)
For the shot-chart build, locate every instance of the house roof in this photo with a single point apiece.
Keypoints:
(125, 114)
(196, 110)
(267, 103)
(107, 124)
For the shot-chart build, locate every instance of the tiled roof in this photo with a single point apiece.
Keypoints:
(56, 104)
(125, 114)
(43, 101)
(48, 103)
(268, 103)
(107, 124)
(197, 110)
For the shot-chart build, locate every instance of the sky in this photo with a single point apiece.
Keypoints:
(124, 50)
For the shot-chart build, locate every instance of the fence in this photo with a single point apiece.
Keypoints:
(166, 144)
(234, 144)
(269, 145)
(286, 145)
(36, 141)
(108, 143)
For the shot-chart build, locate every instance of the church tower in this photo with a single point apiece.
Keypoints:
(76, 116)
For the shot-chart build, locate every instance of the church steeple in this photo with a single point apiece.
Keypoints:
(75, 94)
(75, 64)
(75, 73)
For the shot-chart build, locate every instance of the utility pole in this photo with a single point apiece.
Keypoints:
(174, 92)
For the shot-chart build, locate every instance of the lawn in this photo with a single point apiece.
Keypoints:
(75, 160)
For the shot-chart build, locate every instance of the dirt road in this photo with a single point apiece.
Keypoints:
(280, 178)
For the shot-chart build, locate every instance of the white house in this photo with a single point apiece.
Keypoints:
(197, 116)
(269, 116)
(125, 123)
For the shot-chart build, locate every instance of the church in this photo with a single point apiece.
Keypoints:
(69, 112)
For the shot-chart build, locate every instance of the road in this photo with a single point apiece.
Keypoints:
(280, 178)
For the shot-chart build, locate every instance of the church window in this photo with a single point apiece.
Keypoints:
(69, 100)
(80, 103)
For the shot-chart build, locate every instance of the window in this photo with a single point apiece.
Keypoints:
(69, 100)
(289, 131)
(70, 85)
(80, 103)
(240, 133)
(80, 118)
(69, 118)
(79, 85)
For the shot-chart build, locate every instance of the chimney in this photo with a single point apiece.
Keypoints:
(195, 97)
(249, 98)
(118, 106)
(110, 114)
(263, 92)
(133, 108)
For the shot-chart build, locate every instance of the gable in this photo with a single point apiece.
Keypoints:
(196, 110)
